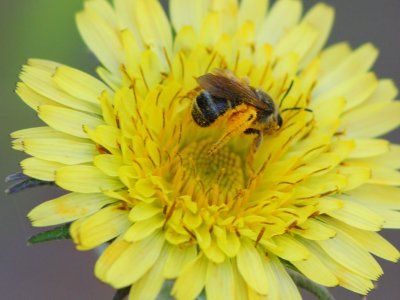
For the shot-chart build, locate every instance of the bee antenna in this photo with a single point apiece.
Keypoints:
(296, 108)
(286, 93)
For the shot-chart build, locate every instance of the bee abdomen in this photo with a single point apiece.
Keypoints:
(206, 108)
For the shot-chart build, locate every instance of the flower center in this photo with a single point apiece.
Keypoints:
(224, 168)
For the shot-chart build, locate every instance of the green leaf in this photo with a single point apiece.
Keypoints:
(303, 282)
(58, 233)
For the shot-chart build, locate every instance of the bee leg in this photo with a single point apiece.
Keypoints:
(241, 119)
(257, 141)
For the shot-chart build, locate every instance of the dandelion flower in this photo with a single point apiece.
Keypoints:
(136, 166)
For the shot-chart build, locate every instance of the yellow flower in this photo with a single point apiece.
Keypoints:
(135, 164)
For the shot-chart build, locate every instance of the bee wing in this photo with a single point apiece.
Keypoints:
(224, 85)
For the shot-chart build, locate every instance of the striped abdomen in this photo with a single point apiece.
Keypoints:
(206, 108)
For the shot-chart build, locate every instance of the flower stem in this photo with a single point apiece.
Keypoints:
(317, 290)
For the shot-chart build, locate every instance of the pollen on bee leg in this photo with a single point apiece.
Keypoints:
(238, 121)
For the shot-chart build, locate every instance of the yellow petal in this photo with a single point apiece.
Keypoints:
(184, 41)
(328, 118)
(192, 279)
(85, 179)
(390, 159)
(192, 220)
(132, 51)
(128, 175)
(40, 169)
(250, 265)
(253, 11)
(220, 281)
(330, 56)
(142, 229)
(328, 204)
(358, 216)
(275, 25)
(149, 286)
(108, 163)
(43, 64)
(356, 176)
(41, 82)
(383, 115)
(68, 120)
(392, 218)
(345, 251)
(228, 10)
(320, 185)
(385, 91)
(203, 236)
(320, 16)
(211, 29)
(104, 10)
(152, 23)
(187, 13)
(214, 253)
(319, 165)
(289, 248)
(109, 256)
(369, 147)
(79, 84)
(314, 230)
(314, 269)
(286, 66)
(67, 208)
(145, 187)
(241, 287)
(142, 255)
(101, 37)
(100, 227)
(107, 109)
(347, 278)
(385, 176)
(32, 98)
(66, 151)
(178, 258)
(299, 41)
(150, 69)
(125, 12)
(281, 285)
(355, 64)
(113, 80)
(107, 136)
(370, 241)
(41, 132)
(354, 91)
(228, 241)
(142, 211)
(375, 196)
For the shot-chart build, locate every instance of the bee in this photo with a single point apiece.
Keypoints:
(249, 110)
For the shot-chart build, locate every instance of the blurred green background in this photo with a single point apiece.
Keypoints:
(46, 29)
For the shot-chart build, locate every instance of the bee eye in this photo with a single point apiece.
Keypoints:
(279, 121)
